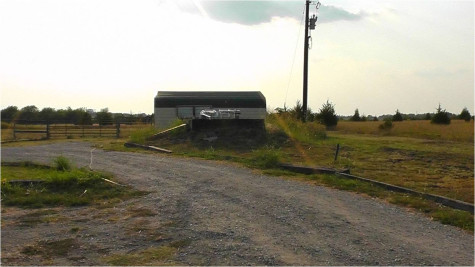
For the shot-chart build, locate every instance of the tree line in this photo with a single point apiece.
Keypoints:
(80, 116)
(327, 116)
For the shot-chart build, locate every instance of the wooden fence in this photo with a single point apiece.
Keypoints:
(65, 130)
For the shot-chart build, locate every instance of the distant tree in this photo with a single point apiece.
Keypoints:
(326, 115)
(441, 116)
(427, 116)
(375, 118)
(356, 116)
(47, 115)
(465, 115)
(84, 118)
(9, 114)
(397, 116)
(29, 113)
(364, 118)
(104, 117)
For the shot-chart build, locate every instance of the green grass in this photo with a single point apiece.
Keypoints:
(75, 187)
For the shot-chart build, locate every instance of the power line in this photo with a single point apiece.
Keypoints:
(293, 60)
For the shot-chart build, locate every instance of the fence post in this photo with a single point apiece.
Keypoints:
(47, 131)
(337, 150)
(14, 131)
(117, 130)
(83, 130)
(100, 130)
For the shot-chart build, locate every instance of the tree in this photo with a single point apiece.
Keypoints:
(356, 116)
(326, 115)
(297, 111)
(441, 116)
(465, 115)
(47, 115)
(9, 114)
(397, 116)
(104, 117)
(29, 113)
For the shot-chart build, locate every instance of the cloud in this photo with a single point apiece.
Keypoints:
(257, 12)
(332, 13)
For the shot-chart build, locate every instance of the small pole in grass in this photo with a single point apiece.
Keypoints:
(337, 150)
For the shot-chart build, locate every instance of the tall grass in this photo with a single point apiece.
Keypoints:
(458, 130)
(304, 132)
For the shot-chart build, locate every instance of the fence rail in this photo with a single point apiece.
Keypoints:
(57, 129)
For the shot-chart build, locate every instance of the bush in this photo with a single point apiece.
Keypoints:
(62, 164)
(397, 116)
(326, 115)
(464, 115)
(386, 125)
(441, 117)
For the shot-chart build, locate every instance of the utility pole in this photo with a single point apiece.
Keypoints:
(309, 22)
(305, 64)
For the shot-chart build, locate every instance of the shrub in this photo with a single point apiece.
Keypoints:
(397, 116)
(464, 115)
(326, 115)
(441, 117)
(62, 164)
(386, 125)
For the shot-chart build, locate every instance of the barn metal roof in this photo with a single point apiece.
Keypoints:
(219, 99)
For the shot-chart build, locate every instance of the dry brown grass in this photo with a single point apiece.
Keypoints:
(458, 130)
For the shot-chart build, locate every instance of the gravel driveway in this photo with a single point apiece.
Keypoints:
(230, 216)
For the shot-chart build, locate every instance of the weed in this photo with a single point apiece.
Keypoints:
(62, 164)
(140, 136)
(265, 158)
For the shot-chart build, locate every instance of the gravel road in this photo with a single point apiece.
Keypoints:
(231, 216)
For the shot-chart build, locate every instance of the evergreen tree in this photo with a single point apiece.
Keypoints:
(326, 115)
(465, 115)
(397, 116)
(356, 116)
(441, 116)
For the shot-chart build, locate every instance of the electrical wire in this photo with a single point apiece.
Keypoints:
(295, 53)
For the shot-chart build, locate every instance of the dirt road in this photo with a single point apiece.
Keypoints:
(227, 215)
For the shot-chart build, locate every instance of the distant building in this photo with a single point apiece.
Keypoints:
(173, 105)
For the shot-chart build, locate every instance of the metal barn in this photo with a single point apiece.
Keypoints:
(172, 105)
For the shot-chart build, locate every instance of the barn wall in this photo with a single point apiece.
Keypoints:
(164, 117)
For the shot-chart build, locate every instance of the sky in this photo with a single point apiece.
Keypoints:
(373, 55)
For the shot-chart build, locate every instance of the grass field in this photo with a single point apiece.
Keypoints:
(436, 159)
(457, 130)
